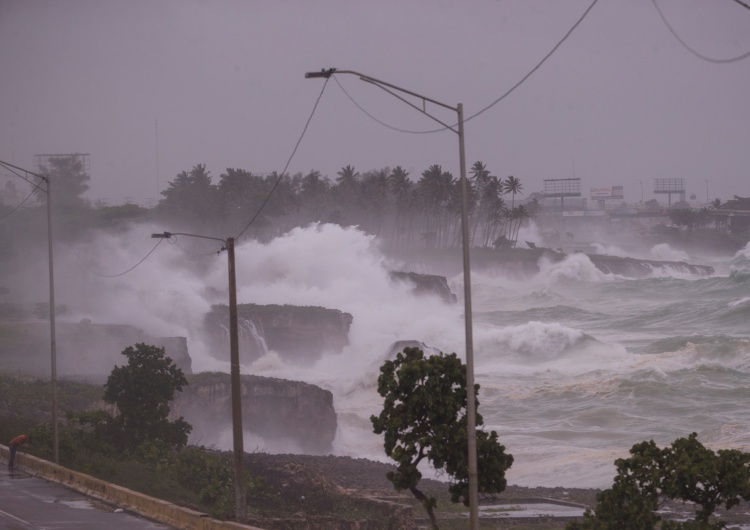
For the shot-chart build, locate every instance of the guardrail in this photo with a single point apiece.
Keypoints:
(150, 507)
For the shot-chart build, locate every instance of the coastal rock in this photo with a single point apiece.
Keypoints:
(640, 268)
(426, 284)
(82, 349)
(298, 334)
(523, 263)
(283, 413)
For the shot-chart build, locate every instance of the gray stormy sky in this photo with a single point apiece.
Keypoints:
(620, 102)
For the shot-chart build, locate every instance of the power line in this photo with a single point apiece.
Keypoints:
(121, 273)
(12, 169)
(194, 253)
(743, 4)
(498, 100)
(281, 175)
(691, 50)
(18, 206)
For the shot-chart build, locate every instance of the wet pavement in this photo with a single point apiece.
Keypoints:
(28, 502)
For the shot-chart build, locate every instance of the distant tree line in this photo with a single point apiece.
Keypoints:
(386, 202)
(405, 212)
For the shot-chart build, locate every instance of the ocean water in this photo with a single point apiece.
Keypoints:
(574, 366)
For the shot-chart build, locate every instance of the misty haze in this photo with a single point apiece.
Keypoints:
(608, 213)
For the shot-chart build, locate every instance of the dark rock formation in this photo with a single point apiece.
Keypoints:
(298, 334)
(277, 410)
(524, 262)
(84, 349)
(426, 284)
(641, 268)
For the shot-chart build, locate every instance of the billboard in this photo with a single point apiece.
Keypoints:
(562, 187)
(671, 185)
(612, 192)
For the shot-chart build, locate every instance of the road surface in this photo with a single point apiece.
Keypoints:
(31, 503)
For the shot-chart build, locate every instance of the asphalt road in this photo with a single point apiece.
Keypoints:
(31, 503)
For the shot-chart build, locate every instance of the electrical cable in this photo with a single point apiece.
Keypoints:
(691, 50)
(283, 172)
(743, 4)
(498, 100)
(18, 206)
(121, 273)
(194, 253)
(10, 168)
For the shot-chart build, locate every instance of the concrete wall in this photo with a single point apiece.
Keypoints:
(155, 509)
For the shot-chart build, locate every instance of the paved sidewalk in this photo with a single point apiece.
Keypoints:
(28, 502)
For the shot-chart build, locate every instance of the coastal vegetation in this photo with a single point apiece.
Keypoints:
(424, 419)
(686, 471)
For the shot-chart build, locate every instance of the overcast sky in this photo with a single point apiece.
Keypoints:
(621, 102)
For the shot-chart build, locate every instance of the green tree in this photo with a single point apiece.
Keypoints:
(512, 185)
(69, 177)
(400, 188)
(191, 198)
(424, 418)
(687, 471)
(142, 391)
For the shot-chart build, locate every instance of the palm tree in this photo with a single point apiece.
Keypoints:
(375, 197)
(399, 186)
(512, 185)
(518, 215)
(347, 177)
(313, 191)
(435, 188)
(480, 178)
(346, 193)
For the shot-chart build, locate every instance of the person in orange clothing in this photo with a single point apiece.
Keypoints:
(14, 444)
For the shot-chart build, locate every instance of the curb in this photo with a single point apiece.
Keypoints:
(150, 507)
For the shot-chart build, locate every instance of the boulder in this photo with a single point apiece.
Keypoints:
(283, 413)
(423, 284)
(298, 334)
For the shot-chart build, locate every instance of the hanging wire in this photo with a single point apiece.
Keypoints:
(120, 273)
(283, 172)
(498, 100)
(691, 50)
(18, 206)
(12, 170)
(173, 241)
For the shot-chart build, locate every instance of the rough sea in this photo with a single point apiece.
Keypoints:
(574, 365)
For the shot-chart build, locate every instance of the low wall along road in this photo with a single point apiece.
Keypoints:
(150, 507)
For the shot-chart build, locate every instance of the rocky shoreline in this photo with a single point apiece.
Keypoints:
(303, 474)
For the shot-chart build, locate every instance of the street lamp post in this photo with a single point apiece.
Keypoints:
(470, 393)
(707, 200)
(53, 340)
(234, 358)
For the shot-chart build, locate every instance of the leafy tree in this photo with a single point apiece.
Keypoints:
(687, 471)
(424, 418)
(142, 391)
(191, 198)
(69, 179)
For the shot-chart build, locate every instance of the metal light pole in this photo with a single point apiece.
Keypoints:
(53, 340)
(470, 393)
(707, 191)
(234, 359)
(641, 190)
